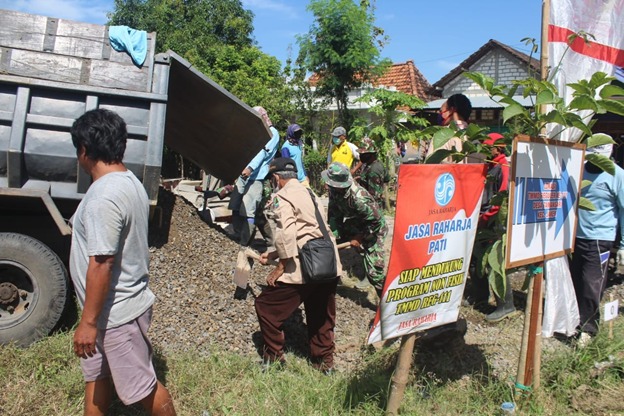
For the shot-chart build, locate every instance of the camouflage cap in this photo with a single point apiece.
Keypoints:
(337, 175)
(368, 146)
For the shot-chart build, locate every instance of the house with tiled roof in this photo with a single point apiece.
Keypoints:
(404, 77)
(504, 64)
(499, 61)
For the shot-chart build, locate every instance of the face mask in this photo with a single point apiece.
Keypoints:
(336, 140)
(440, 120)
(275, 184)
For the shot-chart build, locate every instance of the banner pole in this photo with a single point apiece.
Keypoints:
(401, 374)
(521, 388)
(537, 361)
(536, 302)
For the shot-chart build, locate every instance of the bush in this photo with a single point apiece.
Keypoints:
(315, 162)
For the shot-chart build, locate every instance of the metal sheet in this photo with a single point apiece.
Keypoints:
(208, 125)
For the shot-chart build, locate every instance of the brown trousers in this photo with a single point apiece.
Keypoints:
(276, 303)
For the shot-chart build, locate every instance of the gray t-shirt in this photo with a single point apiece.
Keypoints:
(112, 220)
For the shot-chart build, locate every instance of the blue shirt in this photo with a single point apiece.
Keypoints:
(606, 192)
(294, 152)
(260, 163)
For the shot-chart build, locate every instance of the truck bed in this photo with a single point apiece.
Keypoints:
(53, 70)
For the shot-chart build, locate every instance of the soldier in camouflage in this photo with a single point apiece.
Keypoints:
(354, 216)
(373, 174)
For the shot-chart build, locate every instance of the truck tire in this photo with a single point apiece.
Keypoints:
(33, 289)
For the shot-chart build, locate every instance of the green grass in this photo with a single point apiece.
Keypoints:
(45, 379)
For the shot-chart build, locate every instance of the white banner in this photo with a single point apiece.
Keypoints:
(604, 19)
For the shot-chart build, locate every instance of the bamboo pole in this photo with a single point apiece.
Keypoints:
(525, 340)
(401, 374)
(537, 361)
(534, 317)
(538, 298)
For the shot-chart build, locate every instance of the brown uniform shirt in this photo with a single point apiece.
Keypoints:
(296, 223)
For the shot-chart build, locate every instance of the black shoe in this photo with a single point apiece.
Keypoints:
(501, 313)
(240, 293)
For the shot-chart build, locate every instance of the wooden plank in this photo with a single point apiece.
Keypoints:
(74, 70)
(80, 39)
(116, 75)
(21, 30)
(44, 66)
(62, 37)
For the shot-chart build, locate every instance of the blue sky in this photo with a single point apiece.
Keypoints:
(436, 35)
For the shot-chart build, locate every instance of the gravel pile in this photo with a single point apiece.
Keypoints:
(191, 274)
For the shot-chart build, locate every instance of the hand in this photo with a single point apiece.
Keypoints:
(246, 172)
(274, 275)
(84, 340)
(620, 257)
(264, 258)
(356, 242)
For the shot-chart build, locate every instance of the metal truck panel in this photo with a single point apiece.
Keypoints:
(53, 70)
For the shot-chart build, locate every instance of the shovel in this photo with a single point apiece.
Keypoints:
(244, 262)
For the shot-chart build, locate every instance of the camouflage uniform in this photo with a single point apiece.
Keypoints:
(372, 179)
(356, 212)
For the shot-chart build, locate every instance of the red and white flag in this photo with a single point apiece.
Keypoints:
(604, 19)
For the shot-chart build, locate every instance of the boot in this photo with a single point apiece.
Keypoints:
(237, 225)
(264, 226)
(504, 307)
(247, 234)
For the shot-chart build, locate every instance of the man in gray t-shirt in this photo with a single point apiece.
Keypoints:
(109, 262)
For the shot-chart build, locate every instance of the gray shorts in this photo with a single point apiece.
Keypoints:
(124, 354)
(246, 197)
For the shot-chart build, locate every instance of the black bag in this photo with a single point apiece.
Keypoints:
(318, 261)
(318, 256)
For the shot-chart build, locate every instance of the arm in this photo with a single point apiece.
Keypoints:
(98, 285)
(285, 237)
(285, 152)
(334, 218)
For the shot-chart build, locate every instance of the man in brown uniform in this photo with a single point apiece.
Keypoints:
(286, 289)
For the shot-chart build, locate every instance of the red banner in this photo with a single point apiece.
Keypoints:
(436, 220)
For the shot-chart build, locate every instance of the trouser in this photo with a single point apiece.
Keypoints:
(247, 204)
(375, 264)
(589, 276)
(276, 303)
(372, 251)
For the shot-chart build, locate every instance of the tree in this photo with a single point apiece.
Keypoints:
(216, 37)
(343, 48)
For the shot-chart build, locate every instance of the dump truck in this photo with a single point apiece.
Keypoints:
(51, 72)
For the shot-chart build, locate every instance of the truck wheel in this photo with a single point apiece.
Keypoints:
(33, 289)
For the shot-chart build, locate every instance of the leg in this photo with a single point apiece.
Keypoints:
(159, 402)
(248, 208)
(589, 273)
(98, 397)
(320, 307)
(273, 306)
(130, 354)
(375, 265)
(504, 306)
(264, 226)
(236, 199)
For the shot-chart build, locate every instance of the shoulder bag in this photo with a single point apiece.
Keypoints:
(318, 256)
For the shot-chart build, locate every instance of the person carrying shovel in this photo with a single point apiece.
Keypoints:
(296, 223)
